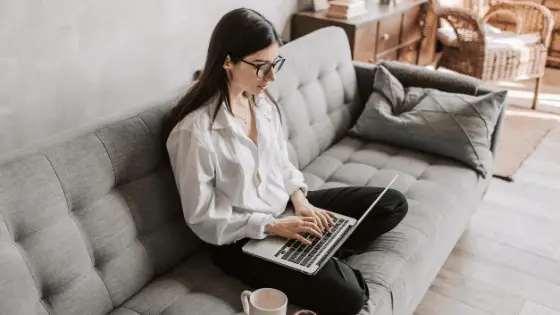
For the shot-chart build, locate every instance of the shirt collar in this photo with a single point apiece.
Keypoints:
(221, 120)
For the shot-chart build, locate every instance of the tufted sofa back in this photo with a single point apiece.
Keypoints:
(87, 224)
(317, 92)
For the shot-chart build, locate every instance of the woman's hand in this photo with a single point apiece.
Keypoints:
(292, 226)
(323, 218)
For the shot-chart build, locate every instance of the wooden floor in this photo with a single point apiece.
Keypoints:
(508, 260)
(521, 92)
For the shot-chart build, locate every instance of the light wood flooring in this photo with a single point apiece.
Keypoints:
(508, 260)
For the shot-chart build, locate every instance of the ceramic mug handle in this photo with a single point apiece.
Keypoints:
(245, 301)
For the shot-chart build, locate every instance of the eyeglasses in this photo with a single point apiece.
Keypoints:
(264, 69)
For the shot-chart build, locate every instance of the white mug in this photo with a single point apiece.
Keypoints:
(265, 301)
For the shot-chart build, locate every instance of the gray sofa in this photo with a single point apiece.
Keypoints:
(93, 225)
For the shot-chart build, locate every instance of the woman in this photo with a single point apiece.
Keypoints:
(229, 158)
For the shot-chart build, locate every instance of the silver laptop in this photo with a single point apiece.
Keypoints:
(308, 259)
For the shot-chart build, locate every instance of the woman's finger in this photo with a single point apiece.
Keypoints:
(319, 219)
(301, 239)
(324, 221)
(312, 228)
(310, 219)
(313, 231)
(329, 215)
(316, 230)
(326, 217)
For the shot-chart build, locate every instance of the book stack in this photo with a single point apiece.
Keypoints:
(345, 9)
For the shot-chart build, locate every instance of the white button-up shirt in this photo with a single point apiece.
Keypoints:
(217, 170)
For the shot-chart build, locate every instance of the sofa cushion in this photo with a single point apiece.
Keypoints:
(317, 93)
(459, 126)
(389, 86)
(436, 187)
(88, 223)
(196, 286)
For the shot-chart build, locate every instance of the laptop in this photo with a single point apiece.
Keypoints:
(308, 259)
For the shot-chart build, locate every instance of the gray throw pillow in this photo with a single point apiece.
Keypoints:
(455, 125)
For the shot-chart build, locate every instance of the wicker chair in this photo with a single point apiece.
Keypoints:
(472, 55)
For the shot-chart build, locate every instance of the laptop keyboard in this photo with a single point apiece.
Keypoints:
(304, 255)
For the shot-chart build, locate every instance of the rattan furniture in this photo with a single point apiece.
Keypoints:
(473, 56)
(553, 60)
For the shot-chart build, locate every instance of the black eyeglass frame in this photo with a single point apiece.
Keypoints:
(280, 60)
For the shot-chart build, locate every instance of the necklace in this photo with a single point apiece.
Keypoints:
(245, 118)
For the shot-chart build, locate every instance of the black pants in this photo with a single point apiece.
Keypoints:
(327, 292)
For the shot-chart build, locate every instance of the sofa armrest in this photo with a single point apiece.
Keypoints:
(364, 76)
(418, 76)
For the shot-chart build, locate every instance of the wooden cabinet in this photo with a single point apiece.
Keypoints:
(388, 40)
(403, 31)
(364, 43)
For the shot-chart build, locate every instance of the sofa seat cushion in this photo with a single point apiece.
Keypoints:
(195, 286)
(355, 161)
(435, 187)
(198, 287)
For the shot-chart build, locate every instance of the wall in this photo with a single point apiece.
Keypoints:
(69, 64)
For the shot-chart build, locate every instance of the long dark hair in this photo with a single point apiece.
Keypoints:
(239, 33)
